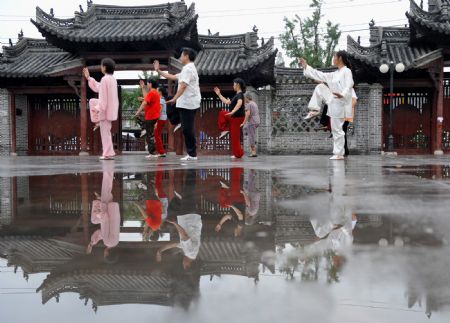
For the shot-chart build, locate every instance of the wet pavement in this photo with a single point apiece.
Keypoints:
(285, 239)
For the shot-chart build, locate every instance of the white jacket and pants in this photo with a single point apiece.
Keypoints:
(339, 81)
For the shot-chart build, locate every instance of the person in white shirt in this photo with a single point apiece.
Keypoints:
(187, 98)
(337, 94)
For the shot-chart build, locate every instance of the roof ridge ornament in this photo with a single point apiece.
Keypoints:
(444, 11)
(52, 13)
(20, 34)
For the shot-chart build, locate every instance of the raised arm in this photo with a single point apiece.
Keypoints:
(166, 75)
(314, 74)
(93, 84)
(221, 97)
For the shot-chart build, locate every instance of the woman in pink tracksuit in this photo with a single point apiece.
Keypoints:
(105, 109)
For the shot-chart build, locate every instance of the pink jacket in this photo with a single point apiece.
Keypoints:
(108, 98)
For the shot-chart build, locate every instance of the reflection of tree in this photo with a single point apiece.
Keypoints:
(311, 266)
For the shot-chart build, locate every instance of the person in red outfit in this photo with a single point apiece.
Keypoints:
(233, 120)
(151, 105)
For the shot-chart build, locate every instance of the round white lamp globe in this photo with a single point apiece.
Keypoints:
(384, 68)
(400, 67)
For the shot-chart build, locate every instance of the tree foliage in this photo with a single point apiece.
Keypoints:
(304, 37)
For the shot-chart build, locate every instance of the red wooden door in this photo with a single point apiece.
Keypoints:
(411, 121)
(54, 125)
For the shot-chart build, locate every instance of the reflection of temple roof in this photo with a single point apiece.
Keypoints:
(293, 229)
(35, 254)
(111, 286)
(106, 24)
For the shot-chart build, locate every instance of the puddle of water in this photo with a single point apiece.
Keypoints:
(195, 244)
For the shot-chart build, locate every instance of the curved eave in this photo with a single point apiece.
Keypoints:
(433, 26)
(267, 53)
(46, 29)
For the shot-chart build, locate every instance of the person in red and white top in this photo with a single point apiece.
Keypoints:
(152, 110)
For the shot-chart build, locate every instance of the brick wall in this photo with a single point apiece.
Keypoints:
(5, 143)
(22, 125)
(5, 200)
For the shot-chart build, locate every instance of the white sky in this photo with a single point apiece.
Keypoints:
(226, 17)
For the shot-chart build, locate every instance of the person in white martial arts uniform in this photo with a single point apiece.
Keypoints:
(337, 94)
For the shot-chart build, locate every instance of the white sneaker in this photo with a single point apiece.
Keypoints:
(312, 114)
(223, 185)
(143, 133)
(151, 156)
(178, 126)
(223, 134)
(335, 157)
(106, 158)
(142, 186)
(188, 157)
(233, 157)
(178, 195)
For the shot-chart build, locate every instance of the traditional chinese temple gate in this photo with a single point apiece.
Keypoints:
(49, 71)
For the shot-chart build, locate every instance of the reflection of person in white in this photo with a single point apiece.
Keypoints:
(337, 94)
(105, 109)
(106, 213)
(189, 227)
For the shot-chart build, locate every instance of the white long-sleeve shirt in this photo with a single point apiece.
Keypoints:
(339, 81)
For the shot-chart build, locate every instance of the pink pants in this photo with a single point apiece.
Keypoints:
(105, 133)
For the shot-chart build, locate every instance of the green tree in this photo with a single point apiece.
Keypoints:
(303, 37)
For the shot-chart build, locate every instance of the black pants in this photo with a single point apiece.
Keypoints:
(173, 114)
(187, 122)
(150, 135)
(345, 128)
(324, 118)
(188, 203)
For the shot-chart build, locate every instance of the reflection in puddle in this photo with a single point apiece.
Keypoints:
(435, 172)
(149, 238)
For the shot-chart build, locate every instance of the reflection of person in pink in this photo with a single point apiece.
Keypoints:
(105, 109)
(106, 213)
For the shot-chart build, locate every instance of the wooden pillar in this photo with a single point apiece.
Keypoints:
(83, 118)
(85, 207)
(13, 125)
(439, 111)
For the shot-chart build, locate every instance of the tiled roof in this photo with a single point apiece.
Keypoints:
(391, 44)
(437, 20)
(230, 55)
(105, 23)
(32, 58)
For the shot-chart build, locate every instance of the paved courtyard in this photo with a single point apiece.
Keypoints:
(276, 238)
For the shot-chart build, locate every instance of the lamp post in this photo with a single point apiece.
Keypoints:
(384, 68)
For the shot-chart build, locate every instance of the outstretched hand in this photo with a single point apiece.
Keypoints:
(217, 90)
(156, 65)
(303, 62)
(338, 95)
(86, 73)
